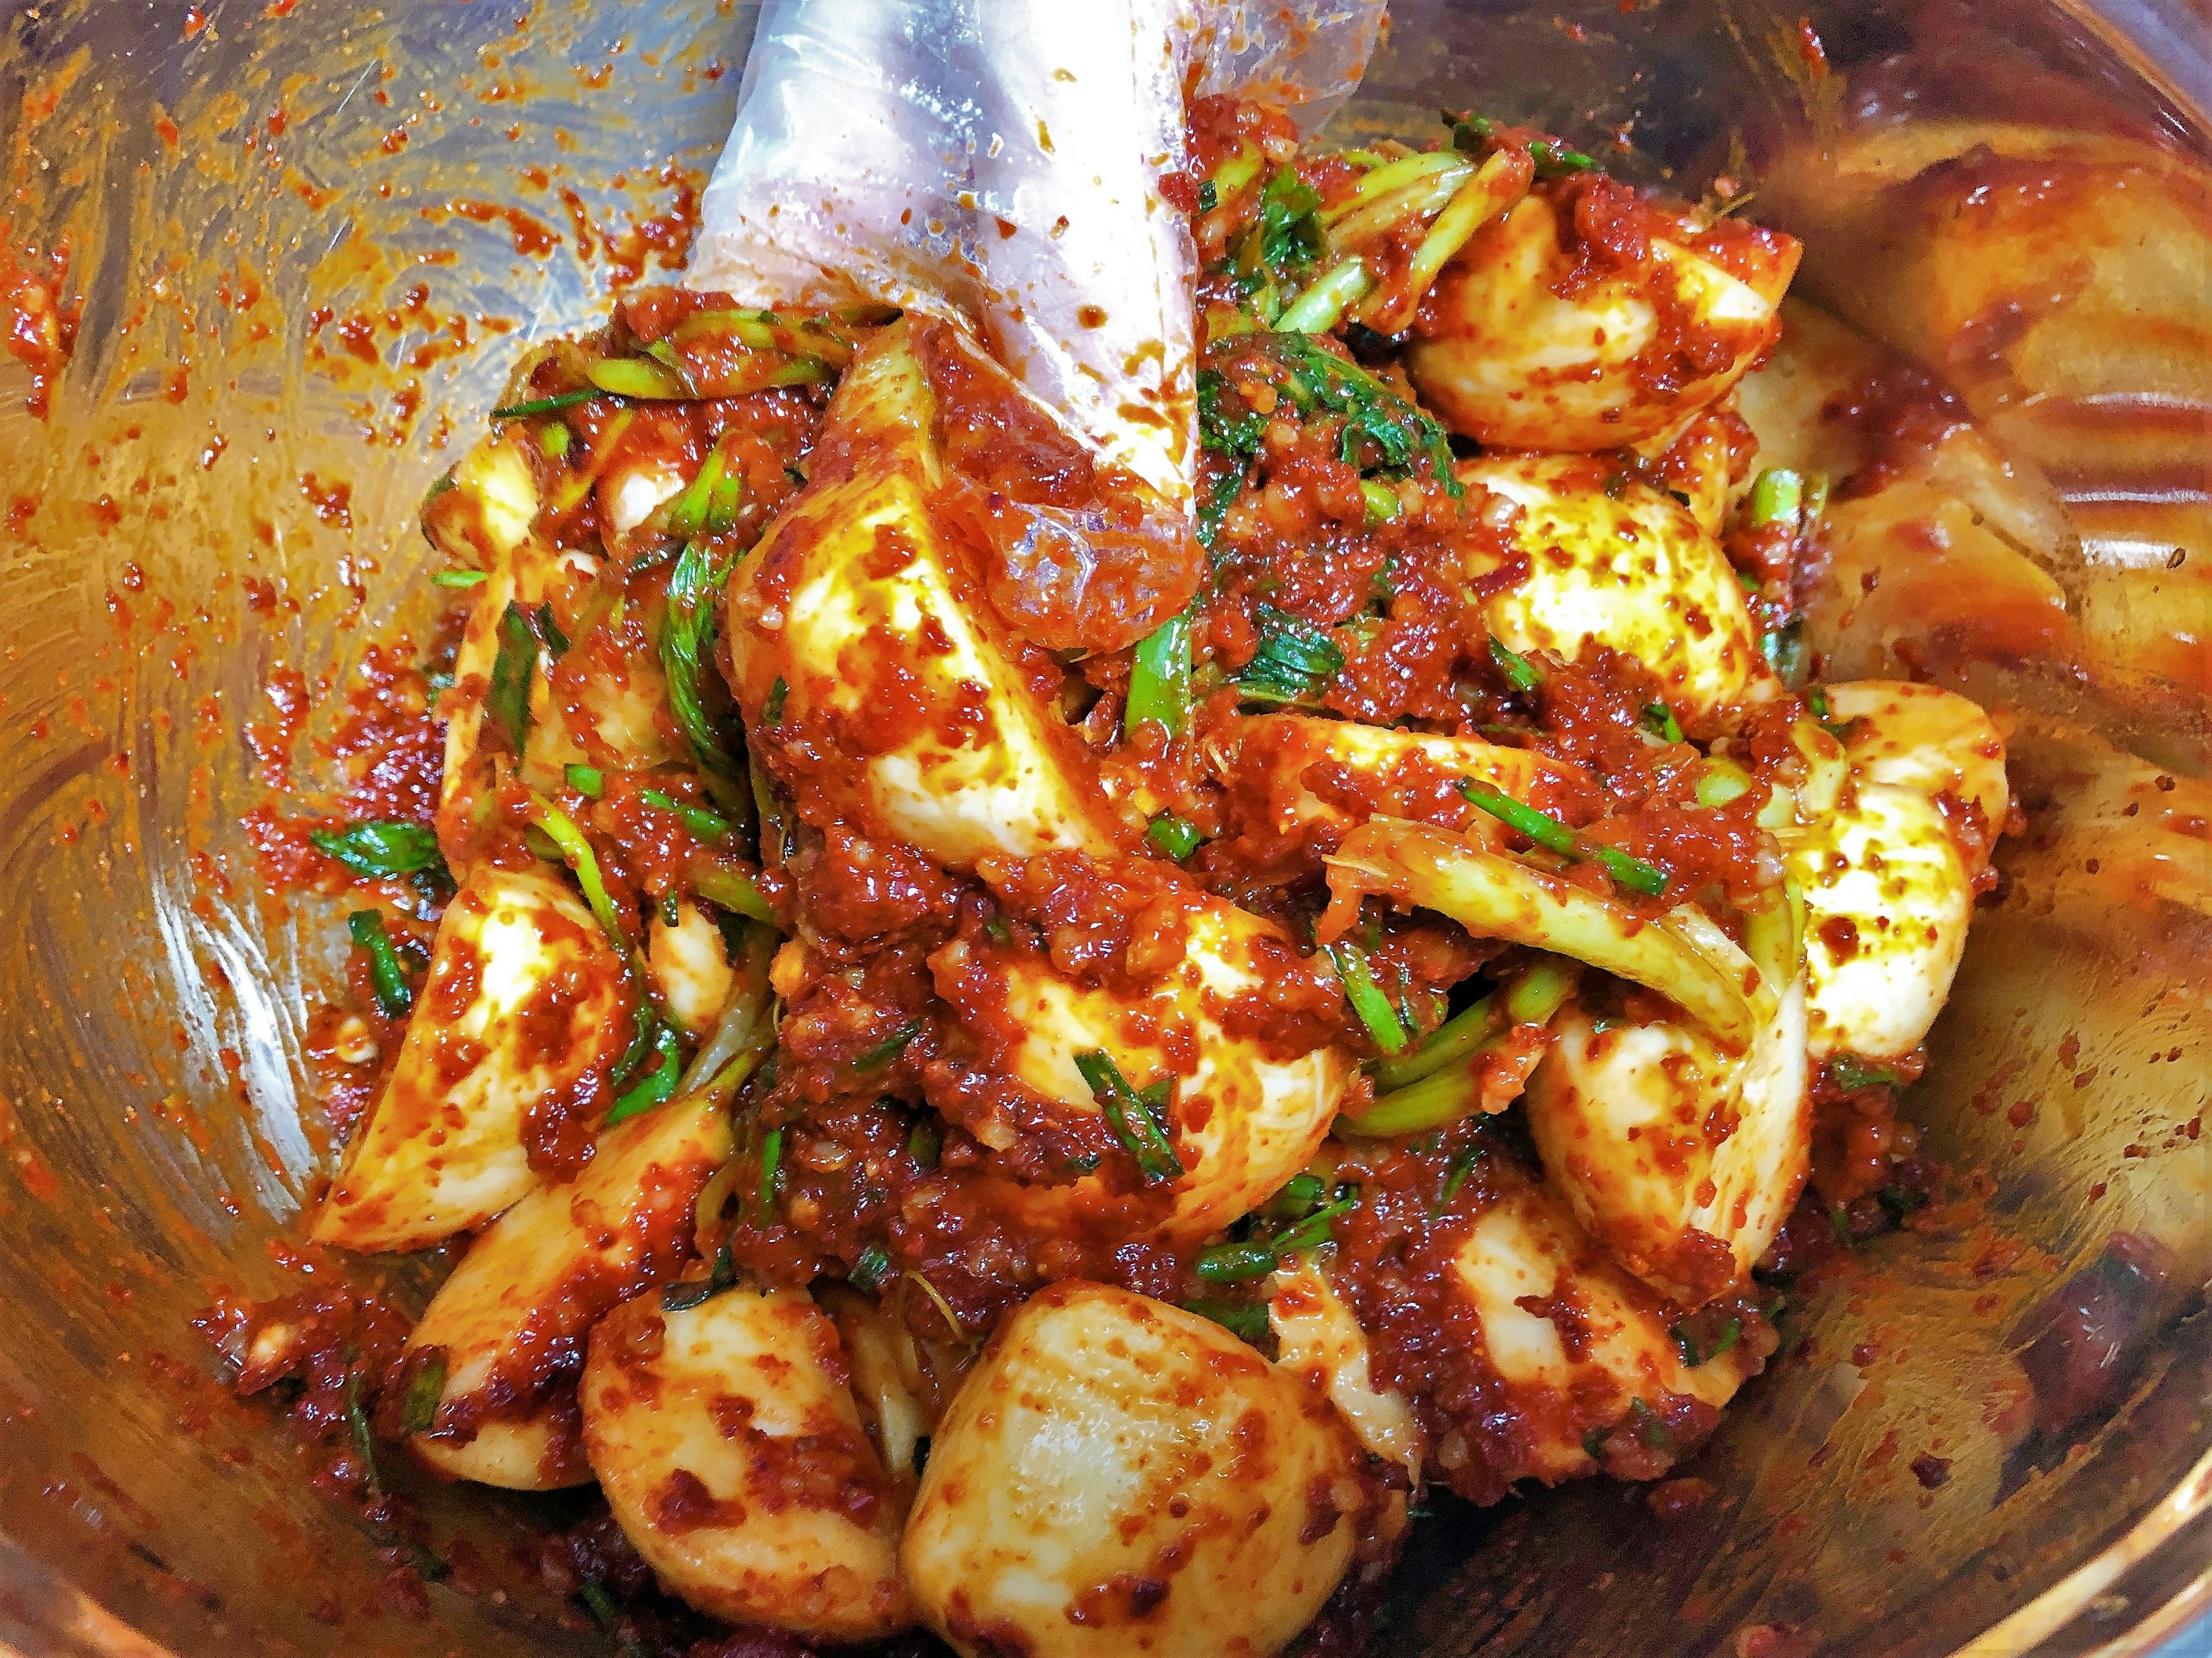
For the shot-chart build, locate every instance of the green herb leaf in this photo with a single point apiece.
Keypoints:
(457, 578)
(697, 1292)
(1290, 221)
(387, 978)
(923, 1142)
(1366, 997)
(382, 846)
(1659, 720)
(587, 780)
(1215, 508)
(1293, 662)
(1850, 1074)
(1236, 435)
(507, 697)
(772, 707)
(1314, 378)
(1130, 1115)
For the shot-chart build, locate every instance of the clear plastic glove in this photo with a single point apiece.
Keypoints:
(1000, 162)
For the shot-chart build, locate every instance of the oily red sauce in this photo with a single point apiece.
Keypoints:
(41, 324)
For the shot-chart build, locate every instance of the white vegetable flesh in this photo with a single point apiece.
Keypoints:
(1119, 1476)
(733, 1457)
(525, 1009)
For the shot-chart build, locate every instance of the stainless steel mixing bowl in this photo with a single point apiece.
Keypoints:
(280, 216)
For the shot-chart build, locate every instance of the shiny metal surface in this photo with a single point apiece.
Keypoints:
(171, 541)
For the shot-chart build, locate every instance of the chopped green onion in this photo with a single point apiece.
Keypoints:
(1129, 1114)
(386, 977)
(1173, 836)
(869, 1272)
(687, 640)
(1692, 1356)
(576, 851)
(1159, 679)
(587, 780)
(1463, 1166)
(771, 1167)
(772, 708)
(549, 631)
(733, 889)
(658, 1084)
(1776, 497)
(1236, 1263)
(554, 440)
(710, 501)
(1850, 1074)
(891, 1047)
(1532, 999)
(457, 578)
(923, 1143)
(1209, 197)
(357, 1421)
(382, 846)
(418, 1411)
(1384, 506)
(507, 695)
(1448, 1093)
(695, 1293)
(1555, 161)
(640, 377)
(1520, 673)
(1246, 1319)
(706, 825)
(544, 405)
(1366, 997)
(1300, 1195)
(1659, 720)
(1721, 781)
(1322, 306)
(1548, 832)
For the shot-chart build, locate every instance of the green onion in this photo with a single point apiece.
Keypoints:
(869, 1272)
(658, 1084)
(1366, 997)
(1215, 508)
(1548, 832)
(695, 1293)
(1173, 836)
(1850, 1074)
(549, 631)
(772, 708)
(357, 1421)
(1246, 1319)
(544, 406)
(1209, 197)
(706, 825)
(710, 501)
(387, 978)
(1384, 506)
(1293, 662)
(771, 1166)
(1555, 161)
(457, 578)
(1442, 1092)
(1520, 673)
(382, 846)
(1159, 679)
(1777, 496)
(1686, 1340)
(1721, 781)
(891, 1047)
(1532, 999)
(1463, 1166)
(576, 851)
(1314, 1230)
(640, 377)
(1659, 720)
(418, 1411)
(923, 1143)
(507, 697)
(1314, 378)
(1236, 1263)
(687, 641)
(733, 889)
(587, 780)
(1322, 306)
(1300, 1195)
(554, 440)
(1238, 436)
(1130, 1116)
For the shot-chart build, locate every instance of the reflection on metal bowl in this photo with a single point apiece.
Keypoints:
(308, 242)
